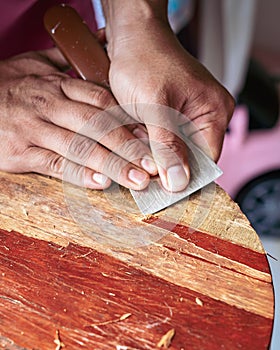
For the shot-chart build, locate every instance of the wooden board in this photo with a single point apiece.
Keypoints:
(75, 261)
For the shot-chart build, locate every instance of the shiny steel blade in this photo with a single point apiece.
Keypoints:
(155, 198)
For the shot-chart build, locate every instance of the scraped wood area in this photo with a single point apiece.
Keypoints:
(84, 269)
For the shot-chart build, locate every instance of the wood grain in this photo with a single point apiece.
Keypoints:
(76, 289)
(50, 210)
(197, 267)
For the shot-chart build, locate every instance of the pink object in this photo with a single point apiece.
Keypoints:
(22, 27)
(247, 154)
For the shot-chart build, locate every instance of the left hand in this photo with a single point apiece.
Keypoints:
(56, 125)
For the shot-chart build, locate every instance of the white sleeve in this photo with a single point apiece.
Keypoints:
(99, 16)
(225, 39)
(179, 13)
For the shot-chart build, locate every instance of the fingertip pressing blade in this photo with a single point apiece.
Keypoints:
(155, 198)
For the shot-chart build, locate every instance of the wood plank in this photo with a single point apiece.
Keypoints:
(46, 208)
(214, 244)
(81, 259)
(78, 291)
(108, 222)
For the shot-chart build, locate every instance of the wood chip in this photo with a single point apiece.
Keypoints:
(84, 255)
(121, 318)
(198, 301)
(25, 212)
(124, 316)
(166, 340)
(57, 341)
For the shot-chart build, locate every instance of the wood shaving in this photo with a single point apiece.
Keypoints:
(25, 212)
(84, 255)
(105, 274)
(124, 316)
(148, 217)
(121, 318)
(198, 301)
(57, 341)
(166, 340)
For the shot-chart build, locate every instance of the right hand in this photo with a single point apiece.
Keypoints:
(151, 73)
(55, 125)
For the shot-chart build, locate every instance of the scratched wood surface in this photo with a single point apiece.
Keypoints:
(84, 270)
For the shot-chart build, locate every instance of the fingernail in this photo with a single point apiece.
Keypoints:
(100, 178)
(136, 176)
(149, 165)
(177, 178)
(140, 133)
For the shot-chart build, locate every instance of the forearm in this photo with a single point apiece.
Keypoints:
(123, 12)
(126, 19)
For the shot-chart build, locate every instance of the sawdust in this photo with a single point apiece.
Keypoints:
(199, 301)
(166, 339)
(119, 319)
(57, 341)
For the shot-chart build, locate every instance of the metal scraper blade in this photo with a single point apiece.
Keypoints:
(155, 198)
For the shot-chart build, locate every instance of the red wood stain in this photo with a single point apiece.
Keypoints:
(214, 244)
(45, 288)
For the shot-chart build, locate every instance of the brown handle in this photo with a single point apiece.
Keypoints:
(77, 43)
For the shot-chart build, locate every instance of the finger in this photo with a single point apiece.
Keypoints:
(88, 153)
(207, 135)
(46, 162)
(139, 131)
(170, 154)
(100, 97)
(168, 148)
(100, 126)
(87, 92)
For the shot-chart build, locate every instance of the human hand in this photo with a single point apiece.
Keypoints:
(150, 67)
(56, 125)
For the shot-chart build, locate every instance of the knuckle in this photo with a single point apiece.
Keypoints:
(231, 106)
(33, 92)
(175, 146)
(74, 173)
(102, 97)
(100, 124)
(114, 166)
(39, 101)
(18, 90)
(131, 149)
(81, 148)
(45, 98)
(170, 150)
(54, 164)
(55, 78)
(225, 103)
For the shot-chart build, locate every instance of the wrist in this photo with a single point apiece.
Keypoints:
(126, 20)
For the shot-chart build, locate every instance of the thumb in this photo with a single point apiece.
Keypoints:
(168, 149)
(170, 154)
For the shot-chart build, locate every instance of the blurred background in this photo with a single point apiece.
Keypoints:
(239, 42)
(256, 152)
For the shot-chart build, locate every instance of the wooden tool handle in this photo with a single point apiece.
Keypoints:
(77, 43)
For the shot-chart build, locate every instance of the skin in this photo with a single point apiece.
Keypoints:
(42, 126)
(150, 67)
(56, 125)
